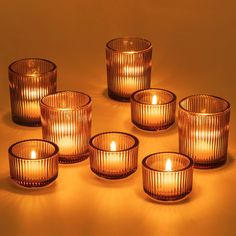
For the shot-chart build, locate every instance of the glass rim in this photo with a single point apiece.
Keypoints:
(54, 67)
(55, 152)
(145, 165)
(42, 103)
(149, 45)
(136, 141)
(228, 107)
(132, 98)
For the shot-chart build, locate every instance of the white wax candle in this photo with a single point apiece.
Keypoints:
(113, 162)
(154, 114)
(169, 182)
(33, 167)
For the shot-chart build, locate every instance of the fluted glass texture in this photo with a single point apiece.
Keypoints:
(66, 120)
(33, 163)
(30, 79)
(167, 182)
(203, 123)
(129, 62)
(113, 155)
(153, 109)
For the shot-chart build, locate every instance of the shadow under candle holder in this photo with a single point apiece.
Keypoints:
(75, 165)
(105, 94)
(187, 199)
(7, 120)
(230, 161)
(8, 185)
(95, 180)
(167, 132)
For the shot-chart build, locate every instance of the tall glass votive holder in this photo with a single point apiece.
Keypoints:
(167, 176)
(30, 79)
(113, 155)
(33, 162)
(203, 123)
(66, 120)
(129, 62)
(153, 109)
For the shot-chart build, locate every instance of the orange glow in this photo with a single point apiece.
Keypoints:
(168, 165)
(33, 155)
(113, 146)
(154, 99)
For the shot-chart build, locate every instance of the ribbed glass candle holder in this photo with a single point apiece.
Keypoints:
(203, 129)
(66, 120)
(129, 62)
(113, 155)
(167, 176)
(153, 109)
(33, 163)
(30, 79)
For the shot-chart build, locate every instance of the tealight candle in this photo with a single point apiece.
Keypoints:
(113, 155)
(167, 176)
(29, 80)
(66, 120)
(153, 109)
(203, 129)
(33, 163)
(128, 66)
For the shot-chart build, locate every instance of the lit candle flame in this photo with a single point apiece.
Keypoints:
(154, 99)
(33, 155)
(168, 165)
(113, 146)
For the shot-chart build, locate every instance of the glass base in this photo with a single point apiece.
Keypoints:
(164, 198)
(113, 176)
(209, 165)
(34, 184)
(152, 128)
(73, 159)
(114, 96)
(30, 123)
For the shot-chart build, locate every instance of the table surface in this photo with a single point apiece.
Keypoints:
(193, 52)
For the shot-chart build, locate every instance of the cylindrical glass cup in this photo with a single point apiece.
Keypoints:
(167, 176)
(153, 109)
(113, 155)
(30, 79)
(33, 162)
(129, 62)
(66, 120)
(203, 129)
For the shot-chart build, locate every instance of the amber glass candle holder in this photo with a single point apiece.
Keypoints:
(33, 163)
(129, 62)
(66, 120)
(203, 129)
(167, 176)
(29, 80)
(153, 109)
(113, 155)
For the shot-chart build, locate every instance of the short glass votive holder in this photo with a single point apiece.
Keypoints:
(203, 123)
(113, 155)
(153, 109)
(129, 62)
(30, 79)
(167, 176)
(66, 120)
(33, 162)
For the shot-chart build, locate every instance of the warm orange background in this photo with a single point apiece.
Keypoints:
(194, 51)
